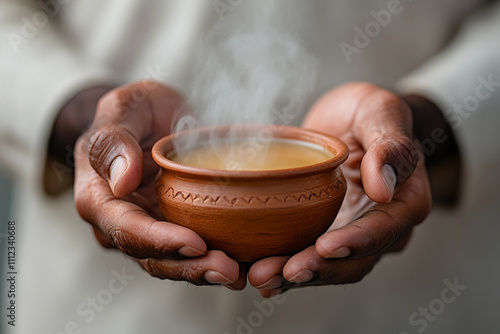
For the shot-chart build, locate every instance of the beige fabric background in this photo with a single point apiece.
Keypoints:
(439, 48)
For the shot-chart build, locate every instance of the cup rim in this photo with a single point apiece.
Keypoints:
(165, 145)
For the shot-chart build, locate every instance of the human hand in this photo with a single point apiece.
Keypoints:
(388, 192)
(114, 190)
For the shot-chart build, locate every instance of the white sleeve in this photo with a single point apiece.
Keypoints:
(464, 81)
(40, 70)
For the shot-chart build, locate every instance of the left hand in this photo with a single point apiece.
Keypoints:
(388, 192)
(114, 192)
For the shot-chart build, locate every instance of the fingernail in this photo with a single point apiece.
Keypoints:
(389, 177)
(339, 253)
(189, 251)
(215, 277)
(118, 167)
(302, 277)
(274, 282)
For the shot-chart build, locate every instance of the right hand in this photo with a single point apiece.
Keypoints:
(388, 192)
(114, 189)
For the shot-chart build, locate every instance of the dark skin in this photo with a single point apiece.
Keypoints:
(114, 193)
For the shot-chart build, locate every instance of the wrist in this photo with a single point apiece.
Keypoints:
(72, 120)
(437, 140)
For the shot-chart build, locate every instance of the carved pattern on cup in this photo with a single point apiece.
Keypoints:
(188, 197)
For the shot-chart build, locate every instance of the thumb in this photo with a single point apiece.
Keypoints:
(117, 157)
(388, 163)
(137, 113)
(383, 126)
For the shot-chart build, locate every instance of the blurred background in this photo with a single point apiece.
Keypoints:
(456, 252)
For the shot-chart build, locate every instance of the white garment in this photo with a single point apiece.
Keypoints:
(88, 43)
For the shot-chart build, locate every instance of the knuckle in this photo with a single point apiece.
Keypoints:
(217, 255)
(174, 270)
(80, 200)
(115, 103)
(101, 146)
(195, 278)
(386, 99)
(392, 236)
(151, 268)
(80, 145)
(89, 193)
(81, 205)
(403, 155)
(375, 243)
(119, 103)
(366, 240)
(361, 270)
(86, 198)
(160, 248)
(125, 242)
(401, 243)
(382, 99)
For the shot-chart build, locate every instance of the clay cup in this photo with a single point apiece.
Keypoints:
(251, 215)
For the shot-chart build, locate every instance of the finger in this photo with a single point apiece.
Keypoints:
(270, 293)
(381, 122)
(241, 282)
(383, 225)
(127, 225)
(267, 273)
(277, 275)
(400, 244)
(213, 268)
(383, 126)
(117, 157)
(368, 235)
(309, 268)
(127, 162)
(137, 234)
(388, 163)
(126, 123)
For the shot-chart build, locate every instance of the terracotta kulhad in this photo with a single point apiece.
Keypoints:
(253, 214)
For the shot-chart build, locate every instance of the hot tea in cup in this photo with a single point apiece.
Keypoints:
(241, 155)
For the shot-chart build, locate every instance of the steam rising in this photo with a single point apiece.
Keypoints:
(253, 73)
